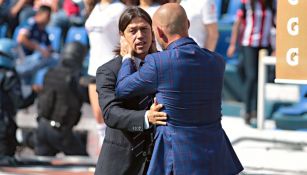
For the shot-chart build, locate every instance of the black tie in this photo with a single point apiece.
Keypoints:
(141, 64)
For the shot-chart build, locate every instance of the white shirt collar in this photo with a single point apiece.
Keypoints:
(136, 60)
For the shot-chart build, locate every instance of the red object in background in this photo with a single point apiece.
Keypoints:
(71, 8)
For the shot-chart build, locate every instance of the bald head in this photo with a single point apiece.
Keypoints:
(172, 19)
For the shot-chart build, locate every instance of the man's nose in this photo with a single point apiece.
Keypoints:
(139, 34)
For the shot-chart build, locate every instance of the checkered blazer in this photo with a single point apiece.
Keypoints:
(188, 81)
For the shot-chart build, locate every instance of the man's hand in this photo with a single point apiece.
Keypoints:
(154, 116)
(43, 50)
(231, 50)
(125, 48)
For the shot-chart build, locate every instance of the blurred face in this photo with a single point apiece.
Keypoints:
(139, 36)
(43, 19)
(130, 2)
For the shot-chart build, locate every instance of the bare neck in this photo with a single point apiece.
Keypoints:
(174, 38)
(106, 1)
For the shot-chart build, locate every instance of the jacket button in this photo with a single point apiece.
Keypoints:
(144, 154)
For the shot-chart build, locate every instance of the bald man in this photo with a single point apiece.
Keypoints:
(188, 81)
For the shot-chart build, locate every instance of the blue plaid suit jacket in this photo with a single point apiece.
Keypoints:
(188, 81)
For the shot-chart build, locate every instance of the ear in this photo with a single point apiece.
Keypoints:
(160, 33)
(121, 33)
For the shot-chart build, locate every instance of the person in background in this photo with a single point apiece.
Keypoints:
(151, 6)
(103, 37)
(203, 22)
(11, 99)
(14, 12)
(59, 106)
(67, 13)
(89, 6)
(129, 136)
(129, 3)
(36, 45)
(257, 19)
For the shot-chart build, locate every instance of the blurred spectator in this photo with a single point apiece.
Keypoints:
(257, 18)
(203, 22)
(11, 99)
(104, 37)
(51, 3)
(130, 2)
(36, 45)
(59, 105)
(12, 12)
(150, 6)
(89, 6)
(68, 13)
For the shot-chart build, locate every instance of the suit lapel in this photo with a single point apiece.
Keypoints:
(117, 64)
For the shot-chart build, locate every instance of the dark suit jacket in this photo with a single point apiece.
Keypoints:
(126, 143)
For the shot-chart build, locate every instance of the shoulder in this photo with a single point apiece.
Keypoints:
(159, 55)
(28, 24)
(111, 65)
(215, 56)
(118, 6)
(152, 57)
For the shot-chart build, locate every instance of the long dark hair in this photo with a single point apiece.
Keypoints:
(127, 16)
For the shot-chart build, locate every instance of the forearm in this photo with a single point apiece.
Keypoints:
(211, 42)
(22, 39)
(17, 7)
(235, 32)
(114, 112)
(212, 36)
(124, 119)
(142, 82)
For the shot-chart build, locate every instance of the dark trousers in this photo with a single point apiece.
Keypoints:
(49, 141)
(250, 62)
(8, 141)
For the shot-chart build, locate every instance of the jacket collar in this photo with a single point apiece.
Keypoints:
(180, 42)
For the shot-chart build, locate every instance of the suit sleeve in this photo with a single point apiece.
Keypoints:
(142, 82)
(115, 115)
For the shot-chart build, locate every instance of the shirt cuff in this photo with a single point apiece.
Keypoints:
(146, 122)
(125, 57)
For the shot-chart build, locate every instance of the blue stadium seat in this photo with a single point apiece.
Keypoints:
(77, 34)
(3, 30)
(293, 117)
(290, 122)
(230, 16)
(303, 92)
(54, 34)
(299, 108)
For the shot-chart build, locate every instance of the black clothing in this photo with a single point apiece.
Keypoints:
(126, 145)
